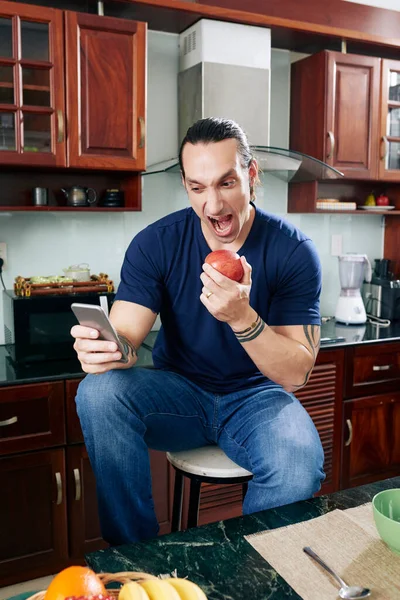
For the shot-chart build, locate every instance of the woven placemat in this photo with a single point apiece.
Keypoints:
(346, 540)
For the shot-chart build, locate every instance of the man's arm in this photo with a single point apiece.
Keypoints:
(284, 354)
(133, 323)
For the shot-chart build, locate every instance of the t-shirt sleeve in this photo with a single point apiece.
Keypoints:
(141, 272)
(298, 289)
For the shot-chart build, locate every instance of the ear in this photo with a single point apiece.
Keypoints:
(253, 170)
(183, 180)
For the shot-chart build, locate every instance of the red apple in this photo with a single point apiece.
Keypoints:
(226, 262)
(382, 200)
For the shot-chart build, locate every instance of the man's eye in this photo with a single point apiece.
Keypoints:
(196, 190)
(229, 183)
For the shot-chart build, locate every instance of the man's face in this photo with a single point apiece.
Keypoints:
(218, 187)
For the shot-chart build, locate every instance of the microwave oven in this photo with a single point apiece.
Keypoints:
(38, 328)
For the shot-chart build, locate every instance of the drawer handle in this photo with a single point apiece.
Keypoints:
(59, 488)
(78, 488)
(350, 438)
(382, 367)
(332, 144)
(8, 422)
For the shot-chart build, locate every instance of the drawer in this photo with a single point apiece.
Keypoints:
(373, 369)
(31, 417)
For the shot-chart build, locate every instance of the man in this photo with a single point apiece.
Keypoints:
(228, 355)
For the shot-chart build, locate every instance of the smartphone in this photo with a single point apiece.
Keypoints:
(92, 315)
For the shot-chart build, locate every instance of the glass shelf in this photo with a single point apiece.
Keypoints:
(286, 165)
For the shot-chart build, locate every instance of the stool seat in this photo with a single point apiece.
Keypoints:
(207, 461)
(208, 464)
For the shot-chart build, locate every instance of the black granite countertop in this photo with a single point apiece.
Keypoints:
(346, 335)
(350, 335)
(217, 556)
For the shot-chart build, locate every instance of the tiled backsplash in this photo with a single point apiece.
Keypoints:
(45, 243)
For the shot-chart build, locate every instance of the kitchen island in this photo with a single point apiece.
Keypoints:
(217, 556)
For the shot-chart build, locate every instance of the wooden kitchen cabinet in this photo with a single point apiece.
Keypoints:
(106, 92)
(389, 164)
(33, 538)
(371, 446)
(104, 75)
(83, 519)
(334, 111)
(32, 108)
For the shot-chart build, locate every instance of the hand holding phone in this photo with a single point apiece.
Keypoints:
(93, 316)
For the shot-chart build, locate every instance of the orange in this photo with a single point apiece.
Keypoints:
(75, 581)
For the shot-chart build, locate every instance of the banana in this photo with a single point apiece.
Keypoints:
(186, 589)
(132, 591)
(159, 589)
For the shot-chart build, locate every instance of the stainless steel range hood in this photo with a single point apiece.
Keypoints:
(225, 71)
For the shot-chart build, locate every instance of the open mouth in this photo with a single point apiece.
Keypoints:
(222, 225)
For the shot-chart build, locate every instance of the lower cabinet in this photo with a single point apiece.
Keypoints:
(33, 515)
(371, 443)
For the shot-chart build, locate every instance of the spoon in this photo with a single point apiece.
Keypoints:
(348, 592)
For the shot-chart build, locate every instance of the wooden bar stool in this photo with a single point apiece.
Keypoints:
(208, 464)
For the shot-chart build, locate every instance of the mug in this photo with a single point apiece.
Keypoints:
(40, 196)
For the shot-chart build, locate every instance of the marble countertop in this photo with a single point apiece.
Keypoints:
(217, 556)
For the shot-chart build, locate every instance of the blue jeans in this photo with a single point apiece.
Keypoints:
(124, 412)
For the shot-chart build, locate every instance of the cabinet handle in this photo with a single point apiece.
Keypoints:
(60, 126)
(384, 141)
(78, 488)
(381, 367)
(59, 488)
(8, 422)
(350, 438)
(332, 144)
(142, 132)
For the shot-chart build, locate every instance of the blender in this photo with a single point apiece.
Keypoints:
(350, 306)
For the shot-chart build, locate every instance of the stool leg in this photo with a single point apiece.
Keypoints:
(177, 504)
(194, 501)
(245, 485)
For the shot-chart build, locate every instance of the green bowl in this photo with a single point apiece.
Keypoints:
(386, 507)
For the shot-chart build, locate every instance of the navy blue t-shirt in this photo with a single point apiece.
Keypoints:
(162, 270)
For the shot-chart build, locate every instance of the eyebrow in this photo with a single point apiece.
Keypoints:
(227, 174)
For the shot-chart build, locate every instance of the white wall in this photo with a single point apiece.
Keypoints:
(390, 4)
(45, 243)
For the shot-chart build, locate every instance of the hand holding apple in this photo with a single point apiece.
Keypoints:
(225, 298)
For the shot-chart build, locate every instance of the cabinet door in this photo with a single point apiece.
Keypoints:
(322, 398)
(83, 518)
(74, 431)
(106, 90)
(33, 538)
(352, 122)
(31, 86)
(370, 444)
(389, 164)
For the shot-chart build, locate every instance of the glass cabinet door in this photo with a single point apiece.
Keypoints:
(32, 86)
(390, 126)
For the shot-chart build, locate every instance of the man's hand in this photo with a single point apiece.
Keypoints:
(99, 356)
(227, 300)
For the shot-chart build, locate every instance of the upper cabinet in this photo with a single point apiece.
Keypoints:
(335, 111)
(103, 77)
(106, 97)
(389, 165)
(32, 110)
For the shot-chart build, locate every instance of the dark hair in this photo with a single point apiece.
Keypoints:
(214, 129)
